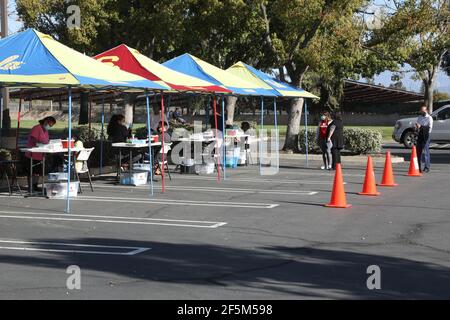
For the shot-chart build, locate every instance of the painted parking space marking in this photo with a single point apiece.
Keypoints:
(273, 181)
(110, 219)
(66, 247)
(215, 189)
(226, 204)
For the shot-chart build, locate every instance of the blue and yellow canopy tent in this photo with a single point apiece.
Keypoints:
(283, 89)
(33, 59)
(240, 86)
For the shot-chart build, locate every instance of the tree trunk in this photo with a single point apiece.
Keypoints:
(293, 128)
(128, 108)
(84, 108)
(429, 94)
(231, 107)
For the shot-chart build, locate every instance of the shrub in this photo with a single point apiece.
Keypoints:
(358, 141)
(362, 141)
(141, 133)
(84, 134)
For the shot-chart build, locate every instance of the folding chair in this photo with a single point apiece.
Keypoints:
(165, 151)
(10, 165)
(83, 156)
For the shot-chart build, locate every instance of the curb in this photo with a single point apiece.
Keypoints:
(378, 159)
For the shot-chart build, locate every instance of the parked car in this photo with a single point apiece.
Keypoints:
(404, 128)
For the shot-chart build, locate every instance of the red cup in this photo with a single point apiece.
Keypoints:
(65, 144)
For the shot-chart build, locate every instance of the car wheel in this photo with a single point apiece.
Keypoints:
(410, 139)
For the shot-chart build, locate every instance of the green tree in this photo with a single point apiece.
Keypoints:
(416, 33)
(319, 37)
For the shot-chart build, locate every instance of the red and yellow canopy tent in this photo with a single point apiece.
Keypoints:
(131, 60)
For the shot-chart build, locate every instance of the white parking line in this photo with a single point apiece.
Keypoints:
(110, 219)
(129, 251)
(179, 202)
(279, 181)
(215, 189)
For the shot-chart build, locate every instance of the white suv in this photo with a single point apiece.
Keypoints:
(404, 128)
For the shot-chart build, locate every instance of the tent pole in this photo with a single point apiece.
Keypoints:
(1, 117)
(217, 137)
(90, 114)
(207, 111)
(69, 158)
(277, 136)
(261, 135)
(163, 182)
(306, 132)
(224, 147)
(102, 136)
(149, 132)
(18, 122)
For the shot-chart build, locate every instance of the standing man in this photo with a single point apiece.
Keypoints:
(424, 126)
(335, 138)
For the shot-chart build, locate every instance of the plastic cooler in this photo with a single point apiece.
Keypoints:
(135, 178)
(58, 190)
(232, 158)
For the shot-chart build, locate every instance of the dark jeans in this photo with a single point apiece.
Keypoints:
(326, 153)
(423, 150)
(336, 155)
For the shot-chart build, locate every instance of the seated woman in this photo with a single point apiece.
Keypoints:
(117, 131)
(38, 134)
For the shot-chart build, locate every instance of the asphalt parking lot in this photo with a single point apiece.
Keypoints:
(248, 237)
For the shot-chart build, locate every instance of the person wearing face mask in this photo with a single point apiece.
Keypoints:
(38, 134)
(424, 126)
(321, 135)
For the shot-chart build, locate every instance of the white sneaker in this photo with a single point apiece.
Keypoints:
(329, 168)
(322, 167)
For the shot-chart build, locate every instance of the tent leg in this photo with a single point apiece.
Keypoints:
(261, 136)
(217, 138)
(149, 132)
(1, 117)
(102, 137)
(224, 147)
(69, 157)
(18, 122)
(306, 133)
(163, 180)
(277, 136)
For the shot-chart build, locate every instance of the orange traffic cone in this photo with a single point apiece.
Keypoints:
(388, 174)
(414, 164)
(369, 187)
(338, 199)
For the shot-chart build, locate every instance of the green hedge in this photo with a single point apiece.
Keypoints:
(84, 134)
(358, 141)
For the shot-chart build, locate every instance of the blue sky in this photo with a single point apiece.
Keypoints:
(443, 81)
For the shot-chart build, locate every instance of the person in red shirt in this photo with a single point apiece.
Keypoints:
(321, 135)
(38, 134)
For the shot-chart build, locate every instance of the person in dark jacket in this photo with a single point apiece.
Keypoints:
(117, 131)
(335, 136)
